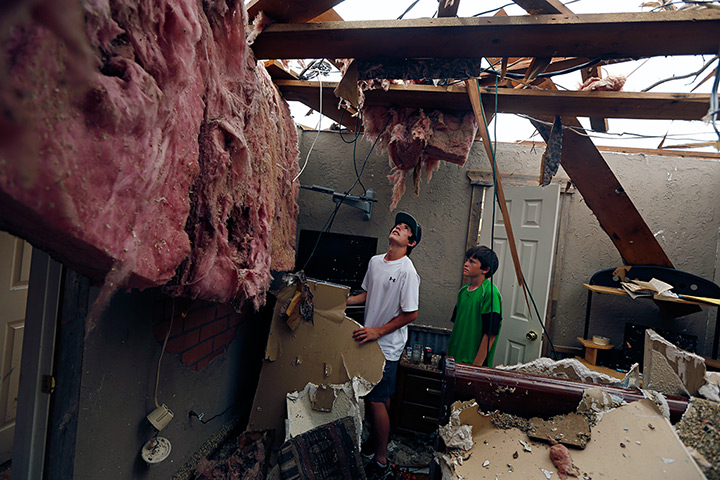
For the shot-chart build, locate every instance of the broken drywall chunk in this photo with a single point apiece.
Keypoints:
(568, 368)
(664, 364)
(336, 402)
(455, 434)
(323, 399)
(571, 429)
(595, 402)
(328, 354)
(711, 389)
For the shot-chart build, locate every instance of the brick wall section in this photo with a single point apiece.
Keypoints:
(200, 330)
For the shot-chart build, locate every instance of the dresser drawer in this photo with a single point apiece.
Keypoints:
(422, 390)
(417, 418)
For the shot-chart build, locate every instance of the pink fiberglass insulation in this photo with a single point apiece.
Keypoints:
(152, 149)
(416, 140)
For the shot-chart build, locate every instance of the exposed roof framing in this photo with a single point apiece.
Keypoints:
(680, 106)
(287, 12)
(598, 35)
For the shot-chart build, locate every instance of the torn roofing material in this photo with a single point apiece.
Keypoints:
(163, 158)
(322, 352)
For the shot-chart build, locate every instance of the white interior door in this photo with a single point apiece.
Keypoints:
(534, 216)
(15, 257)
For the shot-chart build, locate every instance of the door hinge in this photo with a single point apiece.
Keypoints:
(47, 384)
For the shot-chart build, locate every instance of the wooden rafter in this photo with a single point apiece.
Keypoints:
(617, 35)
(681, 106)
(543, 7)
(287, 12)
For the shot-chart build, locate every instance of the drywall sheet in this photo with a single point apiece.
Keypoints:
(670, 370)
(320, 352)
(630, 442)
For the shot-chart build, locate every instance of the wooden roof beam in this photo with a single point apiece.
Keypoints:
(284, 11)
(676, 106)
(617, 35)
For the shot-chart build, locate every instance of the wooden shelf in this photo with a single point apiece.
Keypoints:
(591, 350)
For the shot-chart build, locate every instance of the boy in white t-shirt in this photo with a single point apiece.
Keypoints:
(391, 296)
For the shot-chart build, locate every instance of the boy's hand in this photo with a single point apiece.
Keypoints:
(365, 334)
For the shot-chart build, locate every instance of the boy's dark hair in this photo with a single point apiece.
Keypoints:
(485, 256)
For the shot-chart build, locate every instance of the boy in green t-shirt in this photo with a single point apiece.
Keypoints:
(478, 311)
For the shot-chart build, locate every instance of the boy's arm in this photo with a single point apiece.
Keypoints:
(483, 350)
(365, 334)
(358, 299)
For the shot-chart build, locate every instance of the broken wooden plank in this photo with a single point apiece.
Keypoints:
(540, 7)
(598, 124)
(309, 95)
(278, 71)
(286, 12)
(678, 106)
(595, 35)
(448, 8)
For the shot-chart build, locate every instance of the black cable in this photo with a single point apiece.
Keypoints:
(408, 9)
(354, 142)
(192, 413)
(331, 219)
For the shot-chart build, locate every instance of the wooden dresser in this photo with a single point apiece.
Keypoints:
(417, 403)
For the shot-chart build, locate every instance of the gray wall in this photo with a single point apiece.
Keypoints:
(676, 196)
(119, 368)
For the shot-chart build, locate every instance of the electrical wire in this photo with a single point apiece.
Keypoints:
(319, 126)
(408, 9)
(167, 335)
(714, 110)
(497, 200)
(331, 218)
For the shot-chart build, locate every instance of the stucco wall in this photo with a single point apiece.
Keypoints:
(676, 196)
(119, 368)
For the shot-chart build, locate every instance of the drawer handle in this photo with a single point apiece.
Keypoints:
(432, 391)
(430, 419)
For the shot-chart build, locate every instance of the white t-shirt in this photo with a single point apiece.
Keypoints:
(392, 287)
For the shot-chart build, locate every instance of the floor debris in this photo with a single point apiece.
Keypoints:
(603, 456)
(699, 429)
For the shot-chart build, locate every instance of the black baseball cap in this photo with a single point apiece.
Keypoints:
(415, 228)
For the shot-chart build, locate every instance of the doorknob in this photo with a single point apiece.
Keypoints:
(531, 335)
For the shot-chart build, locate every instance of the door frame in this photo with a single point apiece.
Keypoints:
(481, 182)
(38, 350)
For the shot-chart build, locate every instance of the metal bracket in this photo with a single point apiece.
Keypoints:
(363, 203)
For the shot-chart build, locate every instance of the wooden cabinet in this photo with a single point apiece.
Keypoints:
(417, 402)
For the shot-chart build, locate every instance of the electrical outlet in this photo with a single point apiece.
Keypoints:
(160, 417)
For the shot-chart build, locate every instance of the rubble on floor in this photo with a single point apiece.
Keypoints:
(572, 369)
(247, 459)
(626, 440)
(671, 370)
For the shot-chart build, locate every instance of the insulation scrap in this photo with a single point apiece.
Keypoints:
(248, 461)
(416, 140)
(561, 458)
(151, 147)
(612, 83)
(553, 154)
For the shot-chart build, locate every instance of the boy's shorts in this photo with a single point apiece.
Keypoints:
(386, 387)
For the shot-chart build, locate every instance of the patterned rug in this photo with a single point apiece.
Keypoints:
(328, 452)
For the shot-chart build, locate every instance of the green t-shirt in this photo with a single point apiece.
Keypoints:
(467, 330)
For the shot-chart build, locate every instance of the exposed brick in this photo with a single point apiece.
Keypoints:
(224, 338)
(205, 361)
(199, 317)
(225, 309)
(160, 329)
(183, 342)
(196, 353)
(212, 329)
(235, 319)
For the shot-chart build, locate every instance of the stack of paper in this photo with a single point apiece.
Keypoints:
(654, 288)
